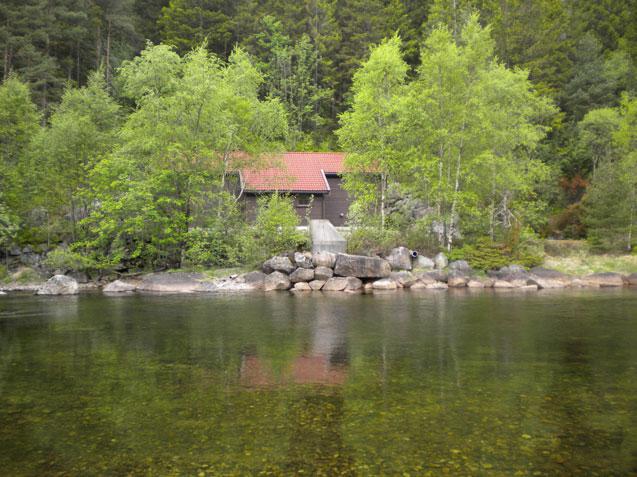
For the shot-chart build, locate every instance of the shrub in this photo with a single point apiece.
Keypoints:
(26, 275)
(371, 240)
(4, 273)
(66, 260)
(275, 229)
(485, 254)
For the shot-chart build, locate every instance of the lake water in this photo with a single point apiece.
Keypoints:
(427, 383)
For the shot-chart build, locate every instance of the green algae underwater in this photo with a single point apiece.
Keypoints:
(428, 383)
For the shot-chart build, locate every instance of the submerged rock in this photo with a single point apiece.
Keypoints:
(59, 285)
(119, 286)
(361, 266)
(277, 281)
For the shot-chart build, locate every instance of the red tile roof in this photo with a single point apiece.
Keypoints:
(294, 172)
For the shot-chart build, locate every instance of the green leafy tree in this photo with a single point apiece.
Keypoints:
(596, 143)
(191, 120)
(369, 131)
(83, 130)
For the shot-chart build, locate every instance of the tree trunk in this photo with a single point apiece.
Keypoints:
(108, 56)
(383, 187)
(98, 47)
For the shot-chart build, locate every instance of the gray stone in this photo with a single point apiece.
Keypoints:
(423, 262)
(457, 281)
(440, 261)
(385, 284)
(302, 275)
(460, 265)
(404, 279)
(323, 273)
(475, 284)
(608, 279)
(632, 279)
(254, 279)
(301, 287)
(59, 285)
(324, 259)
(435, 275)
(437, 286)
(2, 293)
(316, 285)
(542, 272)
(278, 264)
(353, 284)
(531, 287)
(303, 259)
(399, 259)
(171, 282)
(361, 267)
(335, 284)
(119, 286)
(502, 284)
(276, 281)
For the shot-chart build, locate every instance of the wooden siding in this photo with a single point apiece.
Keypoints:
(336, 202)
(332, 206)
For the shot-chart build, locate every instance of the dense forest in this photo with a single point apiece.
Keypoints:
(506, 120)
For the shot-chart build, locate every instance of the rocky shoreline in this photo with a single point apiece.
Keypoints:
(327, 272)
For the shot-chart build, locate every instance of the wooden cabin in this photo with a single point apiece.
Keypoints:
(313, 179)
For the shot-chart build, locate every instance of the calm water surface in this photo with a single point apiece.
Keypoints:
(405, 383)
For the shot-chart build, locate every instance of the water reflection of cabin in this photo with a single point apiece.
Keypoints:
(313, 179)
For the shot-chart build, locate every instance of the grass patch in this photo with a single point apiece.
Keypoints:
(585, 264)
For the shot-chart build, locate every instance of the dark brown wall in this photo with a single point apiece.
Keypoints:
(250, 206)
(336, 202)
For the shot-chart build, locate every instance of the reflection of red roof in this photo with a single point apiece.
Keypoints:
(294, 172)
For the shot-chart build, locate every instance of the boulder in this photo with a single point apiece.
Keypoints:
(324, 259)
(531, 287)
(302, 275)
(278, 264)
(301, 287)
(418, 285)
(59, 285)
(475, 284)
(335, 284)
(353, 284)
(460, 265)
(403, 279)
(303, 259)
(547, 278)
(423, 263)
(457, 281)
(437, 286)
(255, 279)
(171, 282)
(502, 284)
(607, 279)
(2, 293)
(323, 273)
(316, 285)
(632, 279)
(435, 275)
(277, 281)
(361, 266)
(119, 286)
(385, 284)
(399, 259)
(441, 261)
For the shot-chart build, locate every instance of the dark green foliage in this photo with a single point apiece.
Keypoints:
(485, 254)
(275, 229)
